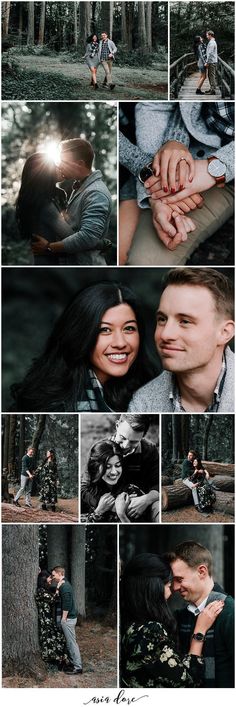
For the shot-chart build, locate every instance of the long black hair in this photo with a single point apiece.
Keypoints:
(57, 379)
(142, 592)
(38, 186)
(99, 455)
(196, 42)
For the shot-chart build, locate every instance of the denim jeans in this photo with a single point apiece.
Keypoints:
(25, 487)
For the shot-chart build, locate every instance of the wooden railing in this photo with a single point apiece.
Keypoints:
(187, 64)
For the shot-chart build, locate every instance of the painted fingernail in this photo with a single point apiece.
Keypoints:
(165, 189)
(181, 186)
(172, 190)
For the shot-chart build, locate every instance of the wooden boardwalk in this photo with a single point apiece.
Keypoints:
(188, 90)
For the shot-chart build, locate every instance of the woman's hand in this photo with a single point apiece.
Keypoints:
(171, 227)
(106, 503)
(121, 505)
(172, 163)
(39, 245)
(208, 616)
(202, 181)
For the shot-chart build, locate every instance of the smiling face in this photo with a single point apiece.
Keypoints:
(117, 343)
(189, 333)
(127, 438)
(113, 470)
(190, 582)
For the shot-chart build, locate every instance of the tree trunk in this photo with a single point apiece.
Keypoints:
(84, 20)
(12, 447)
(208, 425)
(141, 26)
(20, 29)
(218, 468)
(6, 6)
(58, 546)
(78, 567)
(30, 36)
(111, 616)
(107, 18)
(124, 25)
(185, 434)
(6, 441)
(166, 480)
(75, 25)
(149, 25)
(224, 502)
(19, 619)
(176, 496)
(175, 438)
(22, 437)
(38, 431)
(42, 23)
(223, 483)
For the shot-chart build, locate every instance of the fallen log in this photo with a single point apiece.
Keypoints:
(223, 483)
(218, 468)
(176, 496)
(166, 480)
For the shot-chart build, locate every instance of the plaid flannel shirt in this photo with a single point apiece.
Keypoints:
(175, 396)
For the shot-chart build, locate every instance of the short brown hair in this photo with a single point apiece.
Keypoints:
(218, 284)
(82, 149)
(194, 554)
(140, 423)
(209, 31)
(59, 570)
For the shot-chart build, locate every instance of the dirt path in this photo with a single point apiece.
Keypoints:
(74, 79)
(66, 512)
(98, 648)
(188, 514)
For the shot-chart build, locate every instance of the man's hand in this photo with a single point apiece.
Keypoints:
(105, 503)
(137, 506)
(39, 245)
(172, 163)
(171, 227)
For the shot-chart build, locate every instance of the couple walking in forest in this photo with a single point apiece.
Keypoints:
(206, 56)
(47, 474)
(57, 616)
(100, 52)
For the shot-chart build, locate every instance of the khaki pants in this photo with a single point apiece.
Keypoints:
(147, 249)
(212, 76)
(107, 65)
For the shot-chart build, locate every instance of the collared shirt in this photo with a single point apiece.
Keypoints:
(175, 396)
(219, 117)
(105, 50)
(197, 609)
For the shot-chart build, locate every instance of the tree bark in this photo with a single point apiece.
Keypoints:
(75, 25)
(224, 483)
(58, 546)
(78, 567)
(84, 20)
(124, 25)
(141, 26)
(6, 441)
(176, 496)
(218, 468)
(22, 437)
(6, 6)
(38, 432)
(206, 436)
(20, 620)
(42, 23)
(30, 36)
(149, 25)
(20, 28)
(166, 480)
(12, 447)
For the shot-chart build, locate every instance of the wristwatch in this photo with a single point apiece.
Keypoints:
(145, 173)
(198, 636)
(217, 169)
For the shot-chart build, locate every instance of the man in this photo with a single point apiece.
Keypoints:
(106, 52)
(212, 59)
(69, 619)
(89, 208)
(192, 577)
(26, 479)
(194, 325)
(195, 138)
(187, 471)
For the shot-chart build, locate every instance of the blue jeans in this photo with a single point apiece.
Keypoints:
(68, 628)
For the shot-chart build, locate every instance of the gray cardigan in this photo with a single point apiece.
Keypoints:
(154, 396)
(157, 123)
(89, 211)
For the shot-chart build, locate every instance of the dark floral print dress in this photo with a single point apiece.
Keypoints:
(150, 659)
(51, 638)
(48, 482)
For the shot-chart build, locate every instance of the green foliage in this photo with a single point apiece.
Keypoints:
(188, 19)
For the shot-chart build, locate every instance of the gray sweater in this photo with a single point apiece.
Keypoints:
(89, 211)
(154, 396)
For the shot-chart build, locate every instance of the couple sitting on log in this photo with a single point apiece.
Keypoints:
(197, 479)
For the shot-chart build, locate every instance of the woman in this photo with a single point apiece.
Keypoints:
(199, 49)
(104, 495)
(205, 493)
(40, 205)
(91, 57)
(51, 639)
(48, 479)
(94, 358)
(150, 657)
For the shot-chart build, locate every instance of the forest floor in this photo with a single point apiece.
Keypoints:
(49, 78)
(98, 646)
(188, 514)
(66, 512)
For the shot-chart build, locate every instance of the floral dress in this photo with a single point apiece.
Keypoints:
(205, 493)
(51, 639)
(150, 659)
(48, 482)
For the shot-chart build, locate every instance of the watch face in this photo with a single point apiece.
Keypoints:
(216, 168)
(145, 173)
(199, 636)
